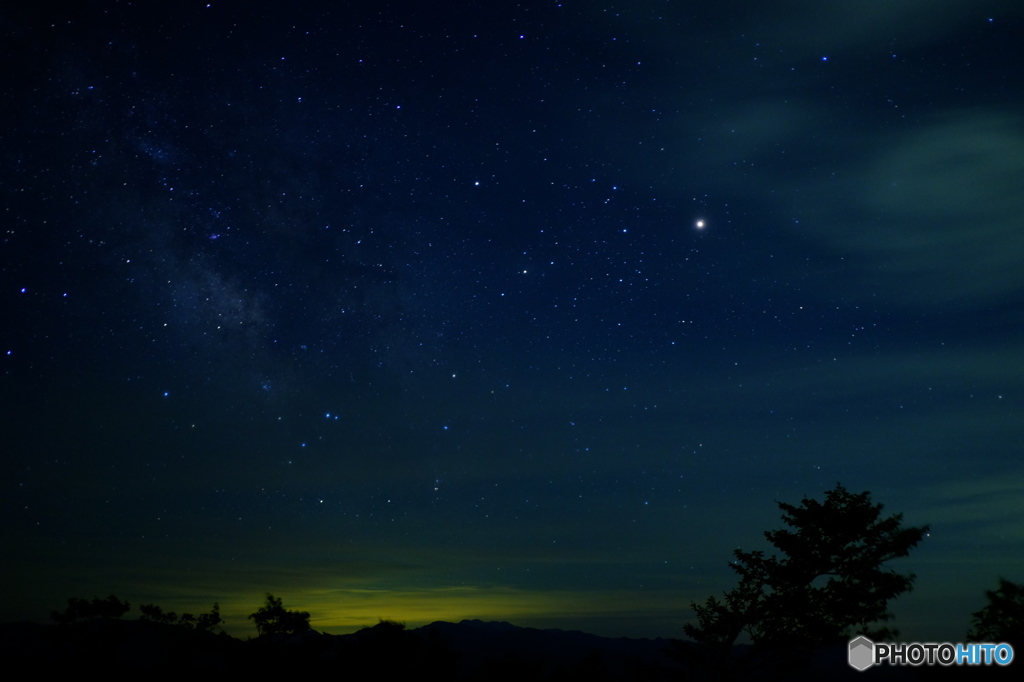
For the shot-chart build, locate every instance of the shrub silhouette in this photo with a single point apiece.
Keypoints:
(829, 584)
(273, 619)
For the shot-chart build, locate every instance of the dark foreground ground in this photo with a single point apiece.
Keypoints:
(470, 650)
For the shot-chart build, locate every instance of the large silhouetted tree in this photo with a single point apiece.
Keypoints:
(829, 581)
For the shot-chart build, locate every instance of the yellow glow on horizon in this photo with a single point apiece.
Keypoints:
(366, 607)
(346, 596)
(345, 610)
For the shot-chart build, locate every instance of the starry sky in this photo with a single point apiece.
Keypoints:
(522, 311)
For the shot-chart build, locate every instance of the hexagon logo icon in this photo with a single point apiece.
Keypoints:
(862, 653)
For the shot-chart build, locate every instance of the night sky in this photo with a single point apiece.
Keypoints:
(515, 311)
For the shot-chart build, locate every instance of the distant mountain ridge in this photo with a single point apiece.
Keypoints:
(481, 644)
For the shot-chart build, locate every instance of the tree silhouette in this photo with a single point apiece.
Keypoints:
(1002, 619)
(156, 614)
(82, 609)
(210, 622)
(829, 583)
(273, 619)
